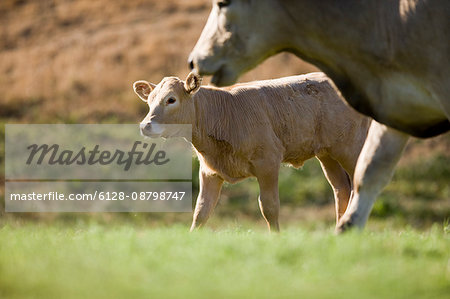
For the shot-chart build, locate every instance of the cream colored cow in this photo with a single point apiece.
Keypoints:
(248, 130)
(389, 58)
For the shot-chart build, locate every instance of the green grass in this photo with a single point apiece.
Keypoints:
(52, 261)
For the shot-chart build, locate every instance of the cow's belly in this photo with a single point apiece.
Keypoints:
(407, 103)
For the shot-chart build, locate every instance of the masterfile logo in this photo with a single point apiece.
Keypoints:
(94, 152)
(55, 156)
(96, 168)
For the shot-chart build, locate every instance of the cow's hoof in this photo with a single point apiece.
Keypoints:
(344, 225)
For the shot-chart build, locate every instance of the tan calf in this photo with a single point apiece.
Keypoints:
(248, 130)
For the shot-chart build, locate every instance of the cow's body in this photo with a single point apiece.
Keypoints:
(390, 60)
(249, 129)
(290, 119)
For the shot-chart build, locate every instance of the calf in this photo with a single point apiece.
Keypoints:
(248, 130)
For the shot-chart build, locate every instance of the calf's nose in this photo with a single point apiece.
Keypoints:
(145, 127)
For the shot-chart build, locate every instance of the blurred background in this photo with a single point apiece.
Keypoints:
(66, 61)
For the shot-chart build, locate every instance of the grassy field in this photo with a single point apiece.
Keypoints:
(76, 61)
(94, 261)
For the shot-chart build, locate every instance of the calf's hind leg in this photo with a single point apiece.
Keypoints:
(339, 181)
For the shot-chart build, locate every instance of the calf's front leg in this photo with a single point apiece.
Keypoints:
(381, 152)
(207, 199)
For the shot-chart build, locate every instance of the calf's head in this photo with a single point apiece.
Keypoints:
(170, 102)
(238, 35)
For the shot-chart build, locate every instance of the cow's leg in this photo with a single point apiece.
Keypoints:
(374, 169)
(339, 181)
(269, 202)
(207, 199)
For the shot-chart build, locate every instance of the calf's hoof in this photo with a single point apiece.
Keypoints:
(345, 224)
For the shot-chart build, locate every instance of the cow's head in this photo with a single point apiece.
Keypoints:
(170, 102)
(236, 37)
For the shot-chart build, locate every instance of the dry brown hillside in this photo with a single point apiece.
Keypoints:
(75, 61)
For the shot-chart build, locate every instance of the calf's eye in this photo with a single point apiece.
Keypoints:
(223, 3)
(171, 101)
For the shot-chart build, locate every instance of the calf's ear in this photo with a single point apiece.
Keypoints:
(192, 83)
(143, 89)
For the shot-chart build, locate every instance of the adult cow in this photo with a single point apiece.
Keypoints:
(390, 59)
